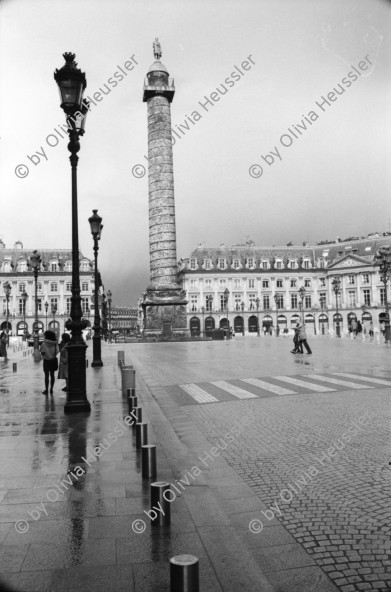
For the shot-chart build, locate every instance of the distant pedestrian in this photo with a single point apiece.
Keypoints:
(49, 350)
(3, 345)
(359, 328)
(63, 367)
(354, 327)
(371, 329)
(303, 338)
(297, 348)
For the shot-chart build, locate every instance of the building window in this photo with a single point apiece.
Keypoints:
(293, 300)
(223, 305)
(251, 263)
(322, 282)
(39, 304)
(307, 283)
(265, 283)
(280, 301)
(365, 278)
(306, 264)
(193, 302)
(293, 283)
(53, 305)
(68, 266)
(84, 286)
(382, 297)
(6, 267)
(192, 264)
(53, 287)
(265, 264)
(85, 306)
(307, 301)
(279, 264)
(236, 264)
(222, 263)
(21, 287)
(251, 283)
(252, 301)
(237, 283)
(279, 283)
(321, 263)
(222, 283)
(292, 264)
(68, 305)
(208, 283)
(22, 306)
(54, 266)
(352, 298)
(266, 302)
(209, 302)
(85, 266)
(238, 300)
(351, 280)
(68, 286)
(207, 264)
(367, 297)
(22, 266)
(193, 284)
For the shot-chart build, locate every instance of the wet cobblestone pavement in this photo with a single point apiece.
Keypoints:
(308, 471)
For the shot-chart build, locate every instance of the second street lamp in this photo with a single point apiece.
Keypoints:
(336, 283)
(72, 83)
(226, 297)
(383, 260)
(46, 311)
(242, 304)
(322, 302)
(96, 230)
(257, 303)
(35, 263)
(24, 300)
(109, 295)
(7, 290)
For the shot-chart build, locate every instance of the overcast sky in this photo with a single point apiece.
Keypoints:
(333, 180)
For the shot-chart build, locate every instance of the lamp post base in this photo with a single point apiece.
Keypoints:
(96, 352)
(37, 353)
(76, 394)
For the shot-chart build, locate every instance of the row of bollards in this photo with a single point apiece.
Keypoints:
(184, 569)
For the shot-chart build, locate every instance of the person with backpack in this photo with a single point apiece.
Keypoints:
(298, 348)
(49, 350)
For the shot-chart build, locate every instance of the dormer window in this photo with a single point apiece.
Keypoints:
(208, 264)
(292, 264)
(53, 266)
(193, 264)
(265, 264)
(68, 266)
(221, 263)
(306, 264)
(321, 263)
(85, 266)
(236, 264)
(251, 263)
(22, 266)
(278, 264)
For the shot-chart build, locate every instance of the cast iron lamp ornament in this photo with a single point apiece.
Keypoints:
(46, 310)
(336, 283)
(257, 303)
(35, 263)
(322, 301)
(226, 297)
(383, 261)
(72, 83)
(302, 292)
(7, 291)
(96, 230)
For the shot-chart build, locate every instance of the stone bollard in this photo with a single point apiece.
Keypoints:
(184, 573)
(148, 461)
(120, 357)
(141, 434)
(132, 404)
(131, 393)
(86, 363)
(159, 500)
(128, 376)
(14, 366)
(138, 413)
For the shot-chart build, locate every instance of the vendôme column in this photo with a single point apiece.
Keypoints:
(164, 301)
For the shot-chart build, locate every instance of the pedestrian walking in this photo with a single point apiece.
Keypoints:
(3, 345)
(49, 351)
(371, 329)
(298, 348)
(303, 338)
(63, 366)
(354, 328)
(359, 328)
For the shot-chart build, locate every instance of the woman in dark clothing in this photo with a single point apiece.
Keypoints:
(49, 351)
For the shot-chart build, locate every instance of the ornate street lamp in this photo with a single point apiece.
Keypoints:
(7, 291)
(109, 295)
(276, 300)
(24, 297)
(226, 297)
(35, 263)
(54, 310)
(203, 322)
(336, 284)
(383, 261)
(242, 307)
(96, 230)
(46, 311)
(71, 83)
(257, 303)
(302, 292)
(322, 302)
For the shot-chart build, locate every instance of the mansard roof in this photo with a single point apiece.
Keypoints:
(14, 255)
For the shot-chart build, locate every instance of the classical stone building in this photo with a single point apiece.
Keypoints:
(163, 302)
(54, 288)
(251, 289)
(123, 319)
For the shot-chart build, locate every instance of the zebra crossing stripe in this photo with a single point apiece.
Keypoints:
(198, 393)
(267, 386)
(352, 385)
(234, 390)
(308, 385)
(365, 378)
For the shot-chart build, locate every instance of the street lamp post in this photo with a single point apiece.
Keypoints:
(336, 284)
(7, 291)
(72, 82)
(242, 306)
(35, 262)
(322, 302)
(203, 322)
(302, 292)
(383, 261)
(54, 310)
(109, 295)
(24, 300)
(96, 230)
(226, 297)
(46, 311)
(276, 300)
(257, 303)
